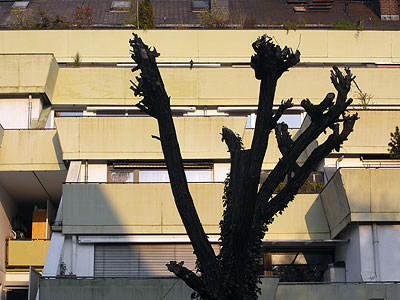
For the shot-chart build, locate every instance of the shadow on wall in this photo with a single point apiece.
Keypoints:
(118, 211)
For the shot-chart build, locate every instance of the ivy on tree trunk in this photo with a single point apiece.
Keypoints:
(248, 208)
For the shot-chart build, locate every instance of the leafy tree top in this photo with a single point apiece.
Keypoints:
(146, 17)
(394, 144)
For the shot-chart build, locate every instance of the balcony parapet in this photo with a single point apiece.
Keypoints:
(25, 253)
(112, 208)
(361, 195)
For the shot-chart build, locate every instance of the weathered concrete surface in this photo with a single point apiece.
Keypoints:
(171, 288)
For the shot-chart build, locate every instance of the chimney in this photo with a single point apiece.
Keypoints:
(389, 10)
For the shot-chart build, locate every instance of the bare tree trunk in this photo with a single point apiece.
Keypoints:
(248, 210)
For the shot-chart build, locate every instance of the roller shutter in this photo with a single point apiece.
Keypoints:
(140, 260)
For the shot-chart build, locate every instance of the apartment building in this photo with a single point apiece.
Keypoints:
(84, 190)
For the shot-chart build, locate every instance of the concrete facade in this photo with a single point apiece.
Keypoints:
(101, 288)
(64, 164)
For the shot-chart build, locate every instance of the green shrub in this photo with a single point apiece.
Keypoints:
(146, 17)
(216, 17)
(348, 24)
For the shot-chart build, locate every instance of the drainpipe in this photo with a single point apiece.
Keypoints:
(375, 243)
(86, 171)
(30, 111)
(73, 256)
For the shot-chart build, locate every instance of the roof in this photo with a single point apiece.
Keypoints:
(179, 13)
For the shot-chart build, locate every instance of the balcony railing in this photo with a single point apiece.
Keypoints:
(24, 253)
(115, 208)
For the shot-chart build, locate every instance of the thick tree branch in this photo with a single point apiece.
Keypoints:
(157, 104)
(278, 203)
(282, 108)
(231, 139)
(269, 63)
(342, 83)
(317, 126)
(283, 138)
(316, 111)
(190, 278)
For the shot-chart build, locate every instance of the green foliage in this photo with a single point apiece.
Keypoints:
(146, 17)
(77, 60)
(47, 22)
(394, 144)
(249, 23)
(216, 17)
(249, 285)
(299, 273)
(364, 99)
(348, 24)
(289, 26)
(84, 15)
(309, 187)
(21, 19)
(378, 24)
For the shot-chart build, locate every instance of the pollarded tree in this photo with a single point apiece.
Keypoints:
(248, 209)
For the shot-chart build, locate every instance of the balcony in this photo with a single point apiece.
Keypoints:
(30, 150)
(208, 86)
(361, 195)
(28, 73)
(112, 208)
(130, 138)
(25, 253)
(371, 133)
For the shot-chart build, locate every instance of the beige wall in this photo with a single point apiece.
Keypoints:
(27, 73)
(361, 195)
(204, 45)
(150, 209)
(27, 253)
(14, 112)
(30, 150)
(371, 132)
(130, 138)
(210, 86)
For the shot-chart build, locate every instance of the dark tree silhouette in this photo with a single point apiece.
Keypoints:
(248, 208)
(394, 144)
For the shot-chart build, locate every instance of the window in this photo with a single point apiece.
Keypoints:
(69, 113)
(122, 176)
(156, 173)
(296, 266)
(120, 5)
(293, 120)
(20, 4)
